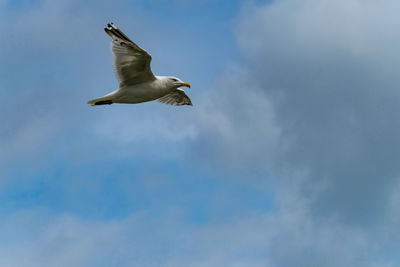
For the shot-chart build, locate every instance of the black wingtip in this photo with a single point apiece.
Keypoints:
(108, 31)
(112, 25)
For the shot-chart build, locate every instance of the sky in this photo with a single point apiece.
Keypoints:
(289, 156)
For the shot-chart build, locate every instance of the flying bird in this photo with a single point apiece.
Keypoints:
(137, 83)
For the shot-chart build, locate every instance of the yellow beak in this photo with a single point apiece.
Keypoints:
(186, 84)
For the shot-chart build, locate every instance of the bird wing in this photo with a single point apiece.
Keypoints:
(131, 63)
(176, 98)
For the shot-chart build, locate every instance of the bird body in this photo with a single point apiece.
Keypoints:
(137, 82)
(143, 92)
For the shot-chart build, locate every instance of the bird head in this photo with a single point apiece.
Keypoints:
(176, 82)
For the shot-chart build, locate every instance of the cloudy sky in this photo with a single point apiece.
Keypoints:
(289, 156)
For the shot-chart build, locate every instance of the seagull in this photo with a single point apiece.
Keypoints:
(137, 83)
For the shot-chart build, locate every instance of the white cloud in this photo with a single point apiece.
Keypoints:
(286, 238)
(236, 123)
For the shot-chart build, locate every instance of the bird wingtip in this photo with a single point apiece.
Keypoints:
(111, 25)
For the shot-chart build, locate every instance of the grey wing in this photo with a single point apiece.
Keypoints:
(131, 63)
(176, 98)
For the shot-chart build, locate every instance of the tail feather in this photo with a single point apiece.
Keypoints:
(97, 103)
(105, 100)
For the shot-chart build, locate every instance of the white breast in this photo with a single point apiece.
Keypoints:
(143, 92)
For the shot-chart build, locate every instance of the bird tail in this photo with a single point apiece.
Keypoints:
(105, 100)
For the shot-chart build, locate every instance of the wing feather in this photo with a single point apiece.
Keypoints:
(176, 98)
(131, 63)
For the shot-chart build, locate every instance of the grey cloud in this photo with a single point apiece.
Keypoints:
(334, 95)
(324, 79)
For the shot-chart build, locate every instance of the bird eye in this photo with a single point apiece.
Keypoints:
(175, 80)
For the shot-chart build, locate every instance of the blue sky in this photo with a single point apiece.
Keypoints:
(97, 186)
(287, 158)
